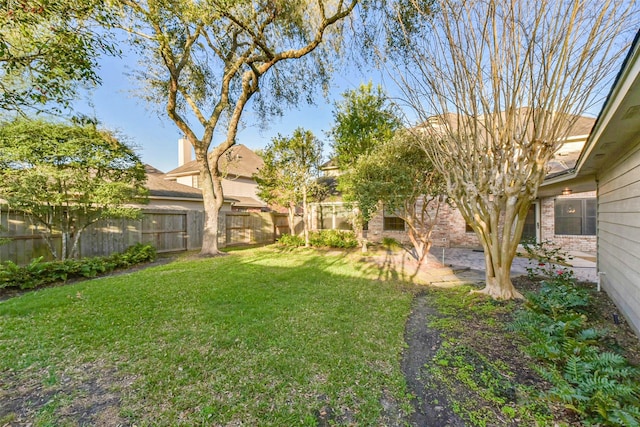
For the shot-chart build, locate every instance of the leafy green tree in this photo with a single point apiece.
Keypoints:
(363, 120)
(399, 176)
(290, 172)
(206, 60)
(66, 177)
(48, 48)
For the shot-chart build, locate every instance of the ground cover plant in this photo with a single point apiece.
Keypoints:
(38, 272)
(475, 374)
(587, 376)
(259, 337)
(558, 359)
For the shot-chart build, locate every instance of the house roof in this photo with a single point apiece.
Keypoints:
(564, 160)
(617, 125)
(560, 163)
(245, 202)
(581, 125)
(329, 164)
(158, 186)
(238, 161)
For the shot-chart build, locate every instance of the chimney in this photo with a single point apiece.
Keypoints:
(184, 151)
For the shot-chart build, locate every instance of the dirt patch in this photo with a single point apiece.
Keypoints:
(432, 407)
(87, 395)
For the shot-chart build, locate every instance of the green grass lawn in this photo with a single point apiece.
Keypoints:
(259, 337)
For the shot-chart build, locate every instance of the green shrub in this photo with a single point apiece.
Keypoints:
(38, 272)
(134, 255)
(333, 239)
(290, 240)
(390, 243)
(322, 239)
(601, 386)
(546, 259)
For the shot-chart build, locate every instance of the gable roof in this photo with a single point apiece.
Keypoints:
(158, 186)
(161, 188)
(616, 125)
(581, 125)
(238, 161)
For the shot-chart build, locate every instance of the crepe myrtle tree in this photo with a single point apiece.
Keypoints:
(206, 60)
(498, 85)
(289, 175)
(65, 177)
(399, 176)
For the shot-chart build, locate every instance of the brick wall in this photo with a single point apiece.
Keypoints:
(450, 230)
(566, 242)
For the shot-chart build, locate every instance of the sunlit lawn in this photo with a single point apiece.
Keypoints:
(259, 337)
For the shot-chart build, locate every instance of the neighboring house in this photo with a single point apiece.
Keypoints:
(551, 217)
(609, 163)
(238, 165)
(166, 194)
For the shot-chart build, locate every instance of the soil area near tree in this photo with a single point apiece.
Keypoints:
(436, 399)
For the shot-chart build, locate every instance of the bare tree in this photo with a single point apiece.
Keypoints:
(499, 84)
(206, 60)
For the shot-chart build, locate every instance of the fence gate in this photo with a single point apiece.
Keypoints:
(238, 228)
(281, 225)
(166, 231)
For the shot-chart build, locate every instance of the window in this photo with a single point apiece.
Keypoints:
(195, 181)
(341, 218)
(467, 228)
(392, 222)
(333, 217)
(325, 217)
(575, 217)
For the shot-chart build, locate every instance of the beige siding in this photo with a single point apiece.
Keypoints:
(619, 233)
(185, 180)
(244, 187)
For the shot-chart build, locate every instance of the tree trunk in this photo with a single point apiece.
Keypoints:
(498, 280)
(48, 239)
(500, 243)
(421, 242)
(65, 239)
(212, 196)
(305, 217)
(74, 246)
(291, 214)
(364, 241)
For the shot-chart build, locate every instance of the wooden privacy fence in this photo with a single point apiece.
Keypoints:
(166, 230)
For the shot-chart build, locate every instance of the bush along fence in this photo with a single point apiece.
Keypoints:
(38, 272)
(166, 230)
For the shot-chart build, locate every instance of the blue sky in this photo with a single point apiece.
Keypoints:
(156, 137)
